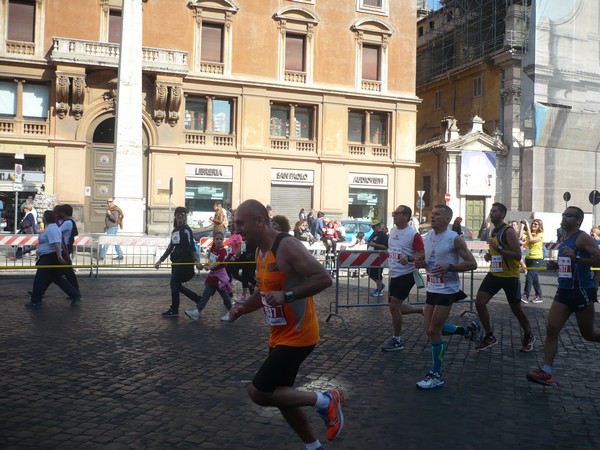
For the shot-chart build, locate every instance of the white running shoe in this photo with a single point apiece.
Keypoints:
(433, 380)
(193, 314)
(226, 318)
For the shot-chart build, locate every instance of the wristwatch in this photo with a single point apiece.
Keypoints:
(288, 296)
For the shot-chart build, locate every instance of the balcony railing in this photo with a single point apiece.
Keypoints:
(376, 151)
(23, 127)
(370, 85)
(212, 67)
(200, 138)
(295, 145)
(20, 48)
(295, 77)
(105, 54)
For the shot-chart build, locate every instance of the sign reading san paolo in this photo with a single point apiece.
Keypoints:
(292, 176)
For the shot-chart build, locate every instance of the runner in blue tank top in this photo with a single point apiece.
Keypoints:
(576, 290)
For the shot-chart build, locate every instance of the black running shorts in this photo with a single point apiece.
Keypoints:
(511, 286)
(444, 299)
(280, 368)
(400, 286)
(576, 299)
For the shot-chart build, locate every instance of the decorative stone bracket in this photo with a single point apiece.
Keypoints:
(70, 94)
(167, 101)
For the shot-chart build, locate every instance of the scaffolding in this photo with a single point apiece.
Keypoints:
(460, 33)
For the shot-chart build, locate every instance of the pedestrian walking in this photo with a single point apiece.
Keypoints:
(288, 277)
(504, 254)
(446, 254)
(51, 256)
(576, 292)
(217, 280)
(113, 221)
(404, 245)
(182, 251)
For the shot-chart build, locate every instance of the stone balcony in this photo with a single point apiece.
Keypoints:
(104, 54)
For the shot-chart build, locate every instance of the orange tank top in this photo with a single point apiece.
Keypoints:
(294, 324)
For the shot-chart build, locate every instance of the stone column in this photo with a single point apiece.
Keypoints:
(129, 194)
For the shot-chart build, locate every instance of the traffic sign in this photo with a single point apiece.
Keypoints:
(421, 193)
(594, 197)
(18, 173)
(447, 196)
(420, 204)
(567, 196)
(17, 187)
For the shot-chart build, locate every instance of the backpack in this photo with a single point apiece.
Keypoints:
(74, 234)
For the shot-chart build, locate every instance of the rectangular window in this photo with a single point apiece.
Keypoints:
(373, 3)
(212, 43)
(195, 114)
(420, 31)
(21, 21)
(370, 62)
(304, 122)
(35, 101)
(356, 127)
(284, 116)
(477, 87)
(427, 189)
(378, 129)
(222, 116)
(114, 26)
(438, 100)
(280, 121)
(8, 98)
(294, 52)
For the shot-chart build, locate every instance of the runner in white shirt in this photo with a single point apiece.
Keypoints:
(404, 244)
(445, 255)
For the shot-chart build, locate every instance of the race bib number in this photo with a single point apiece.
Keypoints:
(496, 263)
(435, 281)
(273, 314)
(395, 255)
(564, 267)
(175, 238)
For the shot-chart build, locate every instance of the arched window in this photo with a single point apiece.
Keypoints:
(105, 132)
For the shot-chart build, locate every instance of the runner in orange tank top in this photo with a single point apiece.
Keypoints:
(287, 276)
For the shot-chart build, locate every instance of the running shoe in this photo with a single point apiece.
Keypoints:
(433, 380)
(169, 313)
(524, 298)
(473, 332)
(378, 292)
(193, 314)
(225, 318)
(537, 299)
(528, 343)
(76, 300)
(33, 305)
(333, 415)
(540, 377)
(487, 343)
(392, 346)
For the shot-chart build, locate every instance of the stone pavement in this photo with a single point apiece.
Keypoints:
(112, 374)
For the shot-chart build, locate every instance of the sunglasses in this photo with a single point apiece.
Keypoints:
(569, 215)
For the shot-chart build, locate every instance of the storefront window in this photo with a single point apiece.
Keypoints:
(200, 197)
(364, 203)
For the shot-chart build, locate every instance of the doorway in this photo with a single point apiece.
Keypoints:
(100, 176)
(475, 214)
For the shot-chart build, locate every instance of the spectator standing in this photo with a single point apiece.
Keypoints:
(318, 226)
(182, 251)
(302, 214)
(113, 220)
(219, 220)
(484, 233)
(27, 226)
(534, 240)
(457, 227)
(415, 221)
(377, 241)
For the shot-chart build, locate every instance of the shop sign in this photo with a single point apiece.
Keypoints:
(203, 172)
(287, 176)
(376, 181)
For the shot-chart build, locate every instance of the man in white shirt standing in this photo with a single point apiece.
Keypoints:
(404, 244)
(415, 221)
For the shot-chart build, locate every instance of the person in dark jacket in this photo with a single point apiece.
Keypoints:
(183, 256)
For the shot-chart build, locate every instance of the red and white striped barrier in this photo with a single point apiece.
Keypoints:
(207, 242)
(19, 239)
(360, 259)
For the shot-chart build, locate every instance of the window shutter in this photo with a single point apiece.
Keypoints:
(114, 27)
(370, 63)
(21, 21)
(294, 53)
(212, 43)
